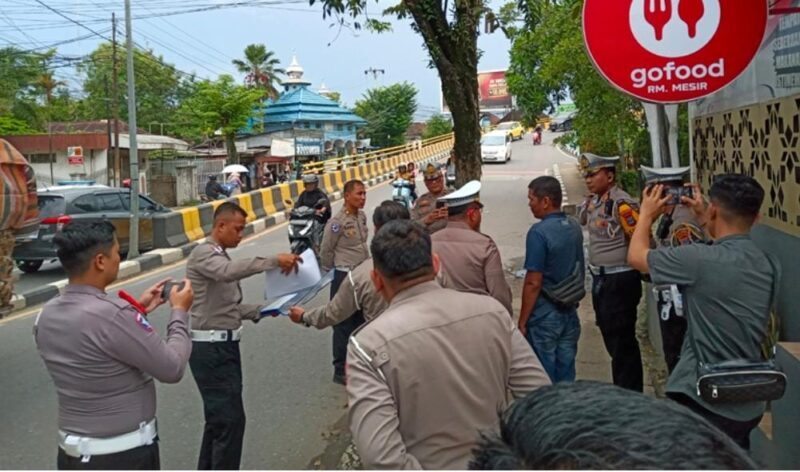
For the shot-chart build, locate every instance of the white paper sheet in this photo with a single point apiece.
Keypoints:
(307, 276)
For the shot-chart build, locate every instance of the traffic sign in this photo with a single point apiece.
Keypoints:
(670, 51)
(75, 155)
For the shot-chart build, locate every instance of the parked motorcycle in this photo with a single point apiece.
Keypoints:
(306, 228)
(402, 193)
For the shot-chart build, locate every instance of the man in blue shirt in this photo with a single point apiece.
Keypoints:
(554, 253)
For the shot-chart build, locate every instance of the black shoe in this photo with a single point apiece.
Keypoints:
(339, 379)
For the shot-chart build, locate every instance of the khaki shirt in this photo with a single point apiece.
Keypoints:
(608, 243)
(685, 229)
(344, 243)
(103, 355)
(356, 293)
(425, 205)
(430, 373)
(215, 281)
(471, 262)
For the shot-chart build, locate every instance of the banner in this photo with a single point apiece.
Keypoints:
(492, 91)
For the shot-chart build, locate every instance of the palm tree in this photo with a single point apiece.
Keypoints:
(260, 68)
(48, 84)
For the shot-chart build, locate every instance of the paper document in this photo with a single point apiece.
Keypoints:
(281, 305)
(308, 275)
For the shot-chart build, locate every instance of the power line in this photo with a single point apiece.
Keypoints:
(40, 2)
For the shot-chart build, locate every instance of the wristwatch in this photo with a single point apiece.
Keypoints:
(303, 321)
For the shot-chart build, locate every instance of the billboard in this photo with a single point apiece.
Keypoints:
(492, 92)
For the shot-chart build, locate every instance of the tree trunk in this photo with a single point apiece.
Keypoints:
(453, 48)
(466, 123)
(230, 147)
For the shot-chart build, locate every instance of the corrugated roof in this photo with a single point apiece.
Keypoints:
(305, 105)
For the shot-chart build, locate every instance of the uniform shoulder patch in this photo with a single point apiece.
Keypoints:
(336, 227)
(141, 320)
(686, 233)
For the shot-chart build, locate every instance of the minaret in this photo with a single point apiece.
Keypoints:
(295, 74)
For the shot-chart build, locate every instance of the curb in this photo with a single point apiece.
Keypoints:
(160, 257)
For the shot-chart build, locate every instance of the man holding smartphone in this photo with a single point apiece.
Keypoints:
(676, 227)
(103, 355)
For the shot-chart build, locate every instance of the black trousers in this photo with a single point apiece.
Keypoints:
(673, 330)
(615, 298)
(140, 458)
(343, 330)
(217, 369)
(739, 431)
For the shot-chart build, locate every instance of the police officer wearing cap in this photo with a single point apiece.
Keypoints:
(344, 247)
(426, 210)
(677, 226)
(103, 355)
(312, 195)
(357, 292)
(610, 215)
(470, 259)
(216, 330)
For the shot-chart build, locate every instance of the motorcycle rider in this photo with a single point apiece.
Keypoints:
(311, 196)
(213, 188)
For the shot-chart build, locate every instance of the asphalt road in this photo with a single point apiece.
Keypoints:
(291, 404)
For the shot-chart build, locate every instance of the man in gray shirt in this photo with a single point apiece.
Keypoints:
(103, 354)
(727, 288)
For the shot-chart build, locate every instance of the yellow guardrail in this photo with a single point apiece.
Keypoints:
(355, 160)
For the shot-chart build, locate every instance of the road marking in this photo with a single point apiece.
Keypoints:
(166, 268)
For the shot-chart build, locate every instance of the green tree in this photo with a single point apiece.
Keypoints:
(335, 96)
(437, 125)
(261, 69)
(389, 112)
(548, 60)
(19, 73)
(449, 31)
(158, 86)
(222, 106)
(10, 126)
(47, 85)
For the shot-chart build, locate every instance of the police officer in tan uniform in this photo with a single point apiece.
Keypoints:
(426, 210)
(344, 247)
(432, 371)
(357, 293)
(470, 259)
(610, 216)
(678, 226)
(216, 330)
(103, 354)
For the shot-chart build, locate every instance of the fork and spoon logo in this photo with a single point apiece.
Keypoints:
(674, 28)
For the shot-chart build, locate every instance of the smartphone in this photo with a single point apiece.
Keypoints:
(675, 194)
(440, 205)
(167, 290)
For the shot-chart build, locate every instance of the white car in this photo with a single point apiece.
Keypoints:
(496, 147)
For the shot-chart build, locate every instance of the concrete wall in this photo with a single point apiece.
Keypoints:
(95, 167)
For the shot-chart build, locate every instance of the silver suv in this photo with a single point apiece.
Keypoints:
(61, 205)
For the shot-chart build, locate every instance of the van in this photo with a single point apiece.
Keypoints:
(496, 147)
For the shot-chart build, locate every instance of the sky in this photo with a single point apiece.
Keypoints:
(206, 42)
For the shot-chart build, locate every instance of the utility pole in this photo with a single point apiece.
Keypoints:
(133, 151)
(109, 169)
(50, 147)
(115, 100)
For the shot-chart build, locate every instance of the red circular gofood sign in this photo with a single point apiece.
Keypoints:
(669, 51)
